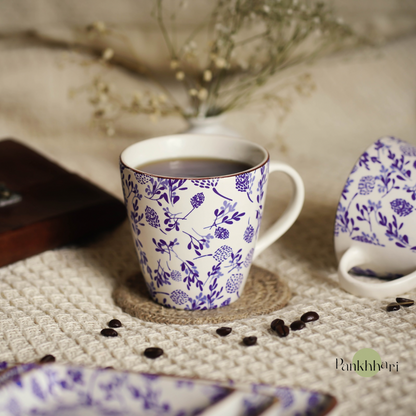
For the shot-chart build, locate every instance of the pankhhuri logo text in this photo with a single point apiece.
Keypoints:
(366, 363)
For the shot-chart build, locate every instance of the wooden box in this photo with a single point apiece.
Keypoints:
(56, 207)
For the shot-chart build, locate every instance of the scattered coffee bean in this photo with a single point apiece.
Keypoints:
(153, 352)
(276, 323)
(297, 325)
(282, 331)
(224, 331)
(405, 302)
(114, 323)
(249, 341)
(309, 317)
(108, 332)
(392, 307)
(47, 359)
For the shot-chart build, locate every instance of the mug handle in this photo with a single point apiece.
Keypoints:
(291, 212)
(355, 256)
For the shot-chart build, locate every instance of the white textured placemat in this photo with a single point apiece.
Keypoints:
(57, 303)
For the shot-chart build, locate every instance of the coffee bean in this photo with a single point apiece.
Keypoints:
(309, 317)
(47, 359)
(153, 352)
(108, 332)
(276, 323)
(282, 331)
(392, 307)
(114, 323)
(224, 331)
(297, 325)
(249, 341)
(405, 302)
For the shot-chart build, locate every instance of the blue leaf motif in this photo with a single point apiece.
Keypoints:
(37, 391)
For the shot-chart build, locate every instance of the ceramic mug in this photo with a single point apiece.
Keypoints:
(196, 237)
(375, 233)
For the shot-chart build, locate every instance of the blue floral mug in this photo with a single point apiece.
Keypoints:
(375, 233)
(196, 237)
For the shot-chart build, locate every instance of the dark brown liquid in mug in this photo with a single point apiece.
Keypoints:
(194, 168)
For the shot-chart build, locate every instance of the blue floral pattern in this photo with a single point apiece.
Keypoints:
(234, 283)
(366, 185)
(408, 150)
(195, 237)
(32, 389)
(401, 207)
(179, 297)
(222, 253)
(373, 209)
(152, 218)
(248, 234)
(221, 233)
(176, 275)
(55, 389)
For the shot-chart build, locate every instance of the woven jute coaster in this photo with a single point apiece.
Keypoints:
(265, 292)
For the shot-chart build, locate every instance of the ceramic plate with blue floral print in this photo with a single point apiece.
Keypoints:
(54, 389)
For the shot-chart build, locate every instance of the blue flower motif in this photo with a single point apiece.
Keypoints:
(366, 185)
(197, 200)
(408, 150)
(234, 283)
(285, 396)
(242, 182)
(76, 376)
(141, 178)
(222, 253)
(226, 302)
(206, 183)
(401, 207)
(179, 297)
(176, 275)
(249, 234)
(249, 258)
(151, 217)
(221, 233)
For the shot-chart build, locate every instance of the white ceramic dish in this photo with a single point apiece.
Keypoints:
(54, 389)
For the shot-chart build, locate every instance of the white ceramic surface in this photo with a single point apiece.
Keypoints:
(210, 125)
(196, 237)
(375, 233)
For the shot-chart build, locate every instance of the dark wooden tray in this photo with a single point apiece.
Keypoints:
(56, 207)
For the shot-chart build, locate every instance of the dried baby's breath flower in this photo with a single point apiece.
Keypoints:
(207, 75)
(96, 28)
(108, 54)
(174, 64)
(180, 75)
(203, 94)
(248, 43)
(220, 62)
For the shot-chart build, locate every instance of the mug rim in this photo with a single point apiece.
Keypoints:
(265, 152)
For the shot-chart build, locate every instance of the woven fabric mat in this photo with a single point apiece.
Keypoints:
(58, 302)
(263, 293)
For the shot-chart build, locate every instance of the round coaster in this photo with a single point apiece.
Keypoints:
(263, 293)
